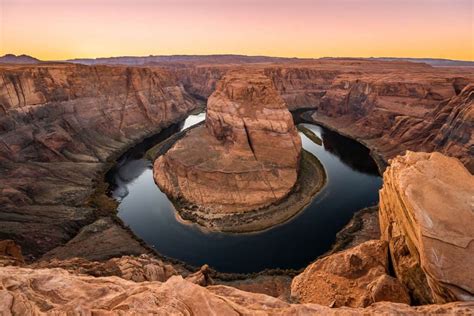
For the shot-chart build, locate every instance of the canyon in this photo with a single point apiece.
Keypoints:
(62, 126)
(388, 106)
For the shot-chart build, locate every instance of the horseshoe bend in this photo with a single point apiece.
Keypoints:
(326, 186)
(234, 171)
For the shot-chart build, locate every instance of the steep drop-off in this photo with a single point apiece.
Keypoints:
(59, 125)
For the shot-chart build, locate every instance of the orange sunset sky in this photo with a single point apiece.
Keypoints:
(62, 29)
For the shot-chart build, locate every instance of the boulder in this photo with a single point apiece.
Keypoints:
(427, 217)
(356, 277)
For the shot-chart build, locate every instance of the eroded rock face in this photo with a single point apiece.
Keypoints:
(426, 215)
(356, 277)
(25, 291)
(246, 156)
(59, 126)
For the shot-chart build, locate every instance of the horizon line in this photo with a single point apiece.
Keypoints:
(240, 55)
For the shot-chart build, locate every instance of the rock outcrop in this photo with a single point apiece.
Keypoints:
(60, 124)
(356, 277)
(10, 254)
(138, 269)
(427, 217)
(246, 157)
(25, 291)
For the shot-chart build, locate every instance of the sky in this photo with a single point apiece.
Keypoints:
(63, 29)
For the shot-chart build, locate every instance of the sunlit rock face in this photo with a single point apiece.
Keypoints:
(426, 215)
(245, 157)
(60, 126)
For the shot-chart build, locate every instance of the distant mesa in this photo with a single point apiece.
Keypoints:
(222, 59)
(18, 59)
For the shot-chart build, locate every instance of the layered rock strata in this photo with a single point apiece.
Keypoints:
(247, 155)
(389, 106)
(427, 217)
(59, 126)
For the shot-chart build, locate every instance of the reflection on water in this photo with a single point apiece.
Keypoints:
(353, 183)
(350, 152)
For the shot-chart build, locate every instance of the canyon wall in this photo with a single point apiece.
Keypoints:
(426, 216)
(59, 126)
(389, 106)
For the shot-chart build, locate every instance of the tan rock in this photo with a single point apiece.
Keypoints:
(356, 277)
(245, 158)
(427, 216)
(137, 269)
(200, 277)
(55, 291)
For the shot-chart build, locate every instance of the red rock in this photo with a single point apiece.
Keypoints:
(426, 215)
(245, 158)
(356, 277)
(390, 106)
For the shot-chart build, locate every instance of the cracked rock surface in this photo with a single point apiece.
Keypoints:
(427, 216)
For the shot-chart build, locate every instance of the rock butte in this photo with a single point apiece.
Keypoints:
(246, 156)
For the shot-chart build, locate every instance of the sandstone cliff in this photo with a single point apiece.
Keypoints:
(245, 158)
(390, 106)
(59, 125)
(426, 215)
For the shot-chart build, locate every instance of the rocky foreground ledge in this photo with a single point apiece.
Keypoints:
(143, 285)
(61, 125)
